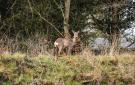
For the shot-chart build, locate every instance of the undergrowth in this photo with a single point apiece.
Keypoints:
(19, 69)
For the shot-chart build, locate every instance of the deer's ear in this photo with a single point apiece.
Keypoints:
(73, 31)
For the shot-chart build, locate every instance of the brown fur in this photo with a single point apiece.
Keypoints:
(61, 43)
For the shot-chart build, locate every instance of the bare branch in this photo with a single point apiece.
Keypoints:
(48, 22)
(59, 8)
(31, 8)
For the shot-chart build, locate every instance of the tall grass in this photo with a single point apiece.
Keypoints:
(19, 69)
(32, 46)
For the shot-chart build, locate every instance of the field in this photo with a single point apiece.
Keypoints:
(19, 69)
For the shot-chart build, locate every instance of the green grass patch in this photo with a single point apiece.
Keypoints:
(17, 69)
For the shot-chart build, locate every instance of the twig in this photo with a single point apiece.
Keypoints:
(48, 22)
(44, 18)
(59, 7)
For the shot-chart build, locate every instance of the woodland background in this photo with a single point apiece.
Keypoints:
(28, 24)
(28, 29)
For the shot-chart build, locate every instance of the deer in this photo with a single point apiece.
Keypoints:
(62, 43)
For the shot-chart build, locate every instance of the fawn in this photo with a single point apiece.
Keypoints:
(62, 43)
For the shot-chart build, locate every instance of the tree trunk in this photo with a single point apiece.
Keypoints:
(114, 36)
(66, 19)
(113, 44)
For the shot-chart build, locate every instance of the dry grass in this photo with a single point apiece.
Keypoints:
(32, 46)
(28, 63)
(74, 70)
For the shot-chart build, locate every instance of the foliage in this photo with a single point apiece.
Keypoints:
(23, 20)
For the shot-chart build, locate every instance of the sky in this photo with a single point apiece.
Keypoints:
(101, 42)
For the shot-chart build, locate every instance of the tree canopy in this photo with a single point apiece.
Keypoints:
(23, 18)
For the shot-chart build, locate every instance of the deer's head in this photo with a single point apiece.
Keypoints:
(75, 36)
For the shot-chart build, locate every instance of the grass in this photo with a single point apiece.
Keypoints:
(18, 69)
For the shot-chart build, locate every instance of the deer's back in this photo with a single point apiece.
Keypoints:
(62, 42)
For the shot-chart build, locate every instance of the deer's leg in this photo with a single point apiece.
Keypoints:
(66, 50)
(60, 49)
(69, 50)
(55, 51)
